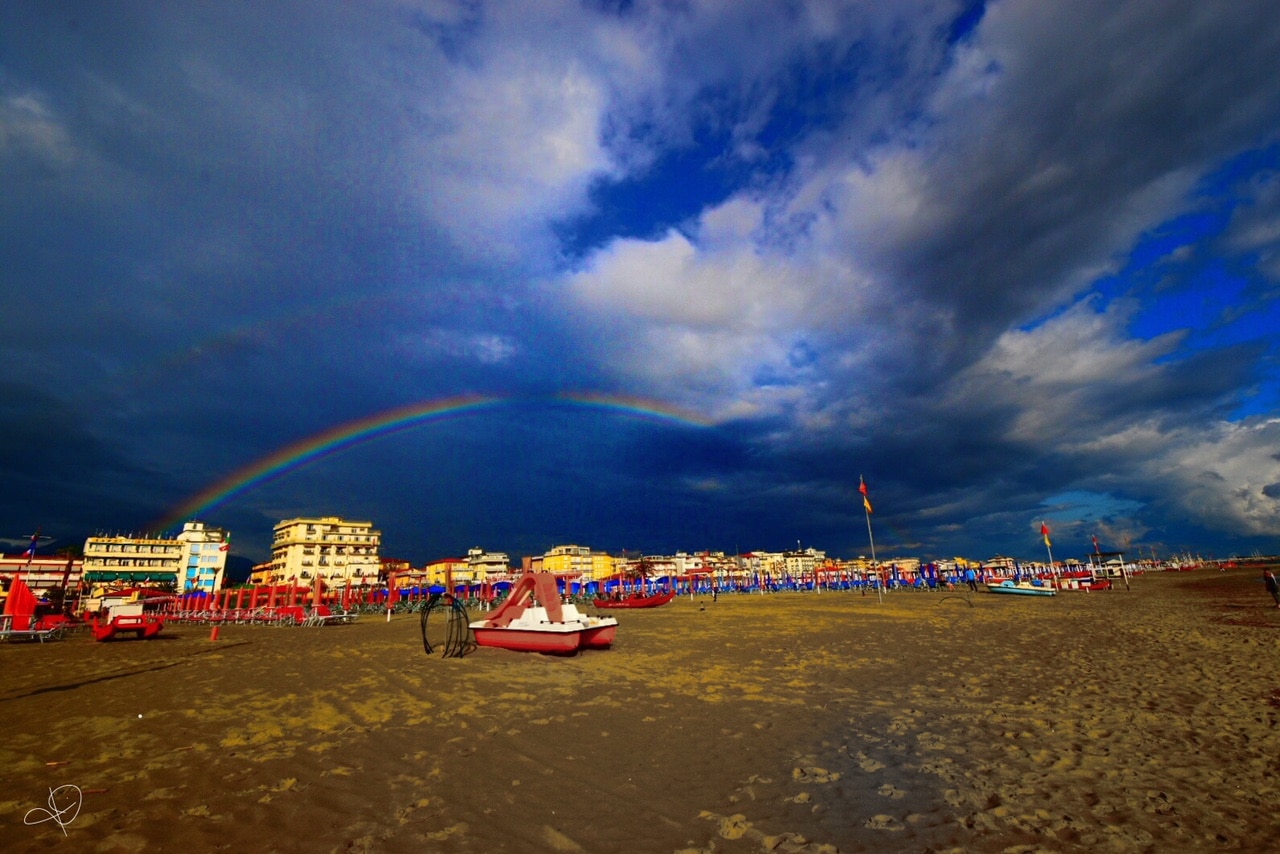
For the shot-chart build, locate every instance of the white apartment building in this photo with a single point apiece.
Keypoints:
(488, 566)
(195, 559)
(799, 564)
(340, 552)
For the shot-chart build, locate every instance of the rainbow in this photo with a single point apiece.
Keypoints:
(640, 407)
(343, 437)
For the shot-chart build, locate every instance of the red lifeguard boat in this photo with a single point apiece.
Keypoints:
(125, 613)
(637, 600)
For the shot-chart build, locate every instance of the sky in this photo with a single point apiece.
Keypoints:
(651, 276)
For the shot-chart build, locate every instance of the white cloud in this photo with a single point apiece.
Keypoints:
(30, 129)
(511, 147)
(1078, 347)
(1079, 386)
(1217, 475)
(486, 348)
(1255, 224)
(712, 319)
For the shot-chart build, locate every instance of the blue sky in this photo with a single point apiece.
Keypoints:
(1011, 262)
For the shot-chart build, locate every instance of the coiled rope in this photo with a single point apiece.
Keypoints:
(454, 639)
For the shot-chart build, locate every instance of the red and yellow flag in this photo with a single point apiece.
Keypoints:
(1044, 532)
(862, 487)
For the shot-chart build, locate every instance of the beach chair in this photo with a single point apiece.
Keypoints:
(323, 615)
(31, 632)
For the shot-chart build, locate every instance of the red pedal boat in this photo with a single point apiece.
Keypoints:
(550, 626)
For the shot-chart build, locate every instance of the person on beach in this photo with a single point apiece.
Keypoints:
(1273, 586)
(971, 578)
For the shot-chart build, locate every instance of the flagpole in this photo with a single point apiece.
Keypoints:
(1044, 529)
(866, 507)
(31, 555)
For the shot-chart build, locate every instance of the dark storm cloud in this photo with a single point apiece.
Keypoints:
(1064, 130)
(59, 475)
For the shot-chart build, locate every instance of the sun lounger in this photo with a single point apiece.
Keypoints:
(323, 615)
(8, 633)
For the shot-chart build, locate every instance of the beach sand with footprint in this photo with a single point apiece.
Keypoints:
(1139, 720)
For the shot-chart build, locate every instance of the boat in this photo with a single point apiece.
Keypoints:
(124, 613)
(1025, 588)
(1081, 579)
(637, 600)
(142, 626)
(550, 626)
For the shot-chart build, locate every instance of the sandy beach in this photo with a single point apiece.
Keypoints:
(1126, 721)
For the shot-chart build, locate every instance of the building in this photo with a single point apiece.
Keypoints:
(802, 563)
(339, 552)
(577, 561)
(402, 570)
(204, 557)
(448, 570)
(478, 567)
(261, 574)
(46, 576)
(195, 559)
(483, 566)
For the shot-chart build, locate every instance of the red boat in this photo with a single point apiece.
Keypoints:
(143, 626)
(124, 613)
(637, 600)
(549, 627)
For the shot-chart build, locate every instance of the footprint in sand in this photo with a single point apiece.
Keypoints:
(737, 827)
(888, 790)
(461, 829)
(814, 774)
(884, 822)
(794, 843)
(734, 826)
(866, 763)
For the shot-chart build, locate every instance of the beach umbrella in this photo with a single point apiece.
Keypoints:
(392, 594)
(20, 604)
(317, 592)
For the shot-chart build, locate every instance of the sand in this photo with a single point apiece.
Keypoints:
(1125, 721)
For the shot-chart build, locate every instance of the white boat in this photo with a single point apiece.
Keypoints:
(1024, 588)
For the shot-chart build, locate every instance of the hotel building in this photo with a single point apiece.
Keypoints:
(577, 561)
(478, 567)
(340, 552)
(195, 559)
